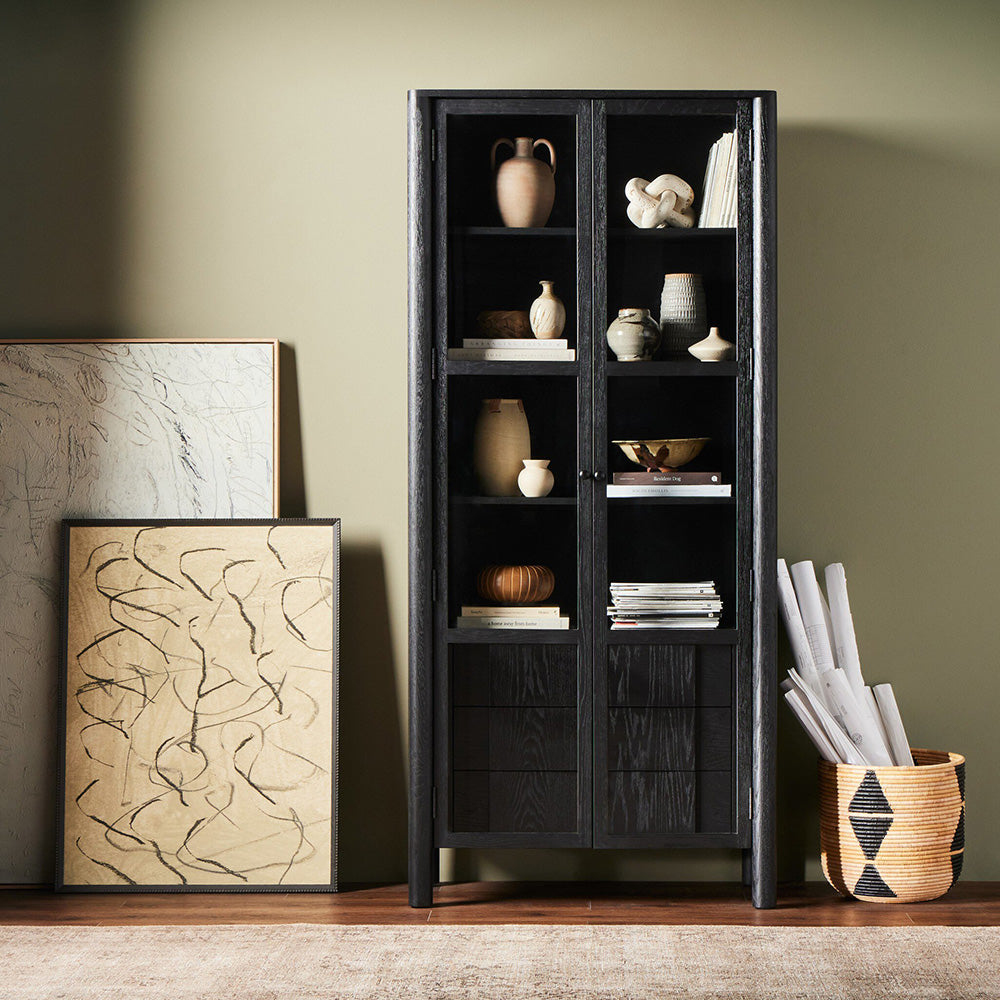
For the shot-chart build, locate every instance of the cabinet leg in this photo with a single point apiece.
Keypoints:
(422, 877)
(763, 880)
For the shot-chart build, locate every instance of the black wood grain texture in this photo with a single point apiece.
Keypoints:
(765, 498)
(670, 739)
(652, 675)
(651, 802)
(515, 739)
(420, 508)
(533, 801)
(504, 674)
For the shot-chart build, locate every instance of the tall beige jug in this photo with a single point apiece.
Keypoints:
(501, 442)
(524, 186)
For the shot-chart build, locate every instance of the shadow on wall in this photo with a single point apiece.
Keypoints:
(372, 781)
(888, 354)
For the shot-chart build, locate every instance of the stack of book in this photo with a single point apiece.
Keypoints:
(665, 605)
(532, 616)
(501, 349)
(718, 202)
(668, 484)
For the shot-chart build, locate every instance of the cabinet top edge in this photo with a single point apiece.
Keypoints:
(611, 95)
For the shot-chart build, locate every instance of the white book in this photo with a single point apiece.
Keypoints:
(718, 182)
(513, 344)
(893, 723)
(796, 630)
(713, 157)
(672, 490)
(854, 718)
(646, 587)
(522, 354)
(845, 641)
(729, 184)
(524, 623)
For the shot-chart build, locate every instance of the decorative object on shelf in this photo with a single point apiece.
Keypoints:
(547, 314)
(520, 617)
(504, 324)
(516, 584)
(200, 722)
(713, 348)
(107, 428)
(501, 443)
(524, 186)
(664, 201)
(634, 335)
(893, 834)
(720, 197)
(536, 479)
(682, 312)
(663, 454)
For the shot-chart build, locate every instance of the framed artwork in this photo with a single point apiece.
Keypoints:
(109, 429)
(199, 709)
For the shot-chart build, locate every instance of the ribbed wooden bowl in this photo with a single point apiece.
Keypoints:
(516, 584)
(893, 834)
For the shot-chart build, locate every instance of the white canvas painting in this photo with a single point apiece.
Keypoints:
(105, 430)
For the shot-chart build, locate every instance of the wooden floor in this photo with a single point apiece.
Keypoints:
(815, 904)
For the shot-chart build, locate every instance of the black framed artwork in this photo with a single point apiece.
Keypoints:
(199, 708)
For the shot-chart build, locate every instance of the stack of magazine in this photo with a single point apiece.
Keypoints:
(665, 605)
(848, 721)
(509, 349)
(529, 616)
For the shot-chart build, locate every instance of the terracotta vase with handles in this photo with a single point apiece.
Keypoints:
(523, 185)
(501, 443)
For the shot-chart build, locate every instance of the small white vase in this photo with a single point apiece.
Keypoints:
(713, 348)
(535, 479)
(548, 314)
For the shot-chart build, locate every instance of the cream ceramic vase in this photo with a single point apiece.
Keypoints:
(634, 336)
(682, 312)
(500, 444)
(524, 186)
(713, 348)
(536, 479)
(547, 315)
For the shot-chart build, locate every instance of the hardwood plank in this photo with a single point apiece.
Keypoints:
(533, 675)
(651, 802)
(651, 739)
(651, 675)
(532, 801)
(969, 904)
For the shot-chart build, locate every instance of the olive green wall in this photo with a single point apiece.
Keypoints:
(209, 168)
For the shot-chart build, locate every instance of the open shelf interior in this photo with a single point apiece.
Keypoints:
(470, 181)
(661, 408)
(488, 273)
(550, 405)
(674, 544)
(650, 145)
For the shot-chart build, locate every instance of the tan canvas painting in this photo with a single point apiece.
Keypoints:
(200, 705)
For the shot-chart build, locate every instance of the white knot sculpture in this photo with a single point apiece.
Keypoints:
(665, 201)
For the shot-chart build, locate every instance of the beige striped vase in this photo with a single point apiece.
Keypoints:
(893, 834)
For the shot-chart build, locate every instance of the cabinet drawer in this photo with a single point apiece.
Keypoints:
(515, 739)
(508, 674)
(669, 739)
(649, 675)
(522, 802)
(656, 803)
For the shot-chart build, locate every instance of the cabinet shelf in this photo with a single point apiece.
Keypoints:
(476, 501)
(717, 501)
(673, 636)
(661, 369)
(510, 368)
(496, 232)
(530, 636)
(669, 233)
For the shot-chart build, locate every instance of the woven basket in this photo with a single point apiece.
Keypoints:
(893, 834)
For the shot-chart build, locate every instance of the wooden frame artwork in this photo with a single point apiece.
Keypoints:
(106, 428)
(199, 709)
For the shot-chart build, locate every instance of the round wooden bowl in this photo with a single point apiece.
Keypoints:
(516, 584)
(893, 834)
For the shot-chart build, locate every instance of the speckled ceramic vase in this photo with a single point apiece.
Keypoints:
(501, 443)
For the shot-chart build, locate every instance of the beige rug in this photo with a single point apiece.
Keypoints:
(304, 962)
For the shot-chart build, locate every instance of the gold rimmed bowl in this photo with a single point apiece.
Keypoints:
(663, 454)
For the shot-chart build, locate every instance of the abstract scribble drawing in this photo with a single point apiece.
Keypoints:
(105, 429)
(201, 702)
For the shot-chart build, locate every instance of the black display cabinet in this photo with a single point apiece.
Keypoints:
(589, 737)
